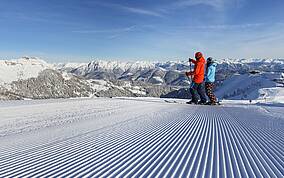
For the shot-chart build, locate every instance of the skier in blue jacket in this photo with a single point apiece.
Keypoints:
(209, 80)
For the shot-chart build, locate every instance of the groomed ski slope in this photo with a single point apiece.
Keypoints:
(124, 137)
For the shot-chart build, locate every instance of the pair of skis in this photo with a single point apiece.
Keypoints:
(176, 102)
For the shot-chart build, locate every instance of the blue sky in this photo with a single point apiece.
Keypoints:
(81, 30)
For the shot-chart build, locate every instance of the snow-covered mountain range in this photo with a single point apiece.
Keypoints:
(30, 77)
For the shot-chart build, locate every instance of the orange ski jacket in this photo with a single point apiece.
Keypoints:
(199, 70)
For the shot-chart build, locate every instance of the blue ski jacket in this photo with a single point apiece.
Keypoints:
(210, 73)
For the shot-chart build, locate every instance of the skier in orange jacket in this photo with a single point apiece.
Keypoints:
(197, 86)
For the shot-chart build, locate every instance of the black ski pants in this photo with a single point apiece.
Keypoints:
(197, 91)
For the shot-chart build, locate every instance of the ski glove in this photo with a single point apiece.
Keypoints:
(189, 73)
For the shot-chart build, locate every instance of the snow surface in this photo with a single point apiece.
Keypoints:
(275, 95)
(158, 79)
(140, 137)
(137, 90)
(100, 85)
(20, 69)
(67, 76)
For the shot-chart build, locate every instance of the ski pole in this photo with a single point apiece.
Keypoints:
(188, 79)
(190, 69)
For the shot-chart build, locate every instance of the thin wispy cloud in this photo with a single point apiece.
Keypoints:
(95, 31)
(24, 16)
(262, 38)
(141, 11)
(44, 18)
(229, 27)
(218, 28)
(216, 4)
(135, 10)
(219, 5)
(109, 33)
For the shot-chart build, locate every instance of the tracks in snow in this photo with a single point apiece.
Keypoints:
(186, 141)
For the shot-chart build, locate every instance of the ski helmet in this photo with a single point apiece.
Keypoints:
(209, 60)
(198, 55)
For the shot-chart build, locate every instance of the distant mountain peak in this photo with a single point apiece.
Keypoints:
(246, 61)
(22, 68)
(123, 65)
(31, 60)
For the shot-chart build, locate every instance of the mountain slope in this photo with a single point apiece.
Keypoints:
(246, 86)
(51, 84)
